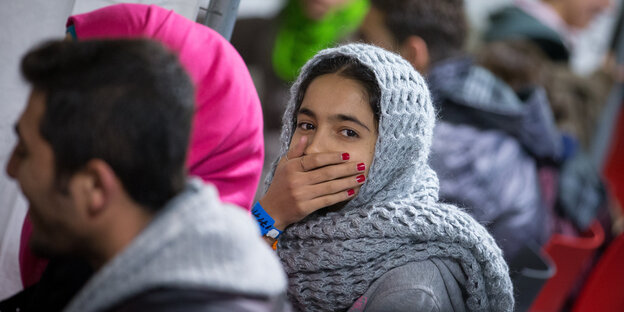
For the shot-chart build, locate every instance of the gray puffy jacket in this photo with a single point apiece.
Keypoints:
(486, 151)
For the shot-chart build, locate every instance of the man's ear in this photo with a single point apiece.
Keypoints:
(414, 49)
(100, 185)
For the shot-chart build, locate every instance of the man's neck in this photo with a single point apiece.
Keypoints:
(118, 231)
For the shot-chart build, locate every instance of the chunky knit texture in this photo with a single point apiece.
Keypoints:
(331, 258)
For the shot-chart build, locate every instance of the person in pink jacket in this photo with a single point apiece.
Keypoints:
(227, 146)
(226, 143)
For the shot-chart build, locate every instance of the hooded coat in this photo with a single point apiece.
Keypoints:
(333, 258)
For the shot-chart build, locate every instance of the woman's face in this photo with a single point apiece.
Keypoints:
(336, 116)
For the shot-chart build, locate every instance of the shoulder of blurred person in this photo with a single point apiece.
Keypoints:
(180, 263)
(198, 254)
(199, 300)
(487, 148)
(488, 173)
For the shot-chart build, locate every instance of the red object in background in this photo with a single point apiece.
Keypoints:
(31, 266)
(603, 289)
(570, 255)
(614, 167)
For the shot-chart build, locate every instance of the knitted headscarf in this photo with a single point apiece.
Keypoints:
(331, 258)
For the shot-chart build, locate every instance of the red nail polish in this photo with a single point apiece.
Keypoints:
(345, 156)
(360, 178)
(361, 167)
(350, 192)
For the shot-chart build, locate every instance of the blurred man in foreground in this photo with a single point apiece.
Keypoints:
(100, 157)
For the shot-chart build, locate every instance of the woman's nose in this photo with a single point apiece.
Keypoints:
(316, 143)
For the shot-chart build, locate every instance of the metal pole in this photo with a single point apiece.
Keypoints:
(221, 16)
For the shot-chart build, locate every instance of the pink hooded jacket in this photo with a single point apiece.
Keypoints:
(226, 143)
(227, 146)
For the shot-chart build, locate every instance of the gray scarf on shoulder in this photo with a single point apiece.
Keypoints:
(331, 258)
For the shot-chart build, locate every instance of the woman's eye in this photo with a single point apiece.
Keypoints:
(349, 133)
(305, 126)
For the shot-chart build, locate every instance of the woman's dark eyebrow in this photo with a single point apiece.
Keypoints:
(343, 117)
(306, 112)
(340, 117)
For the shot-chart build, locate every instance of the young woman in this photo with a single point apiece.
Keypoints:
(357, 201)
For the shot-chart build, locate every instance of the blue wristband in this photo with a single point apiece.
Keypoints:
(71, 29)
(265, 221)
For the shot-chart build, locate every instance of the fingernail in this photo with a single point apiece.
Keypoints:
(361, 167)
(345, 156)
(360, 178)
(350, 192)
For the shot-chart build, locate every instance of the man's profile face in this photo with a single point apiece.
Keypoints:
(51, 211)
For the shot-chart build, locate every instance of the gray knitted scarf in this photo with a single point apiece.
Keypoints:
(331, 258)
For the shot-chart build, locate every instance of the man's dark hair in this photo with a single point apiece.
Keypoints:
(347, 67)
(440, 23)
(126, 102)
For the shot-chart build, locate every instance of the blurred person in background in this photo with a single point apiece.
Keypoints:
(276, 48)
(490, 141)
(101, 152)
(576, 103)
(551, 24)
